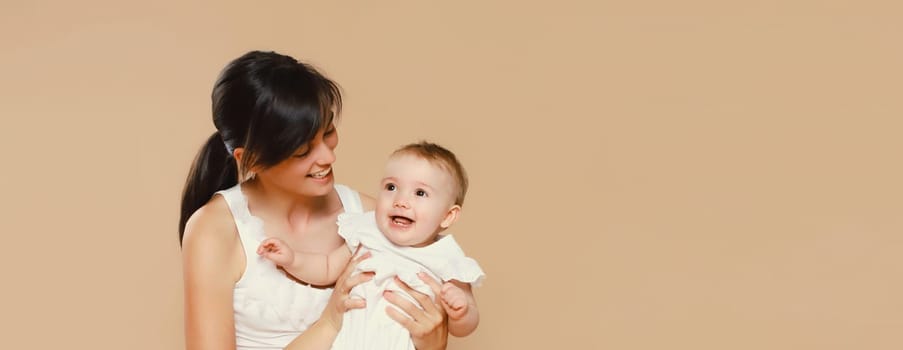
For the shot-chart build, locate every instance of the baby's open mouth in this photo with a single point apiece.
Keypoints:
(401, 220)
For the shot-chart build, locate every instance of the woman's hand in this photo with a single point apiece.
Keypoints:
(341, 300)
(428, 326)
(322, 333)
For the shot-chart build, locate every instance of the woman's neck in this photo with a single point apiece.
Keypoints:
(292, 206)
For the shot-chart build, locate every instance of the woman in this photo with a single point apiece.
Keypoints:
(267, 172)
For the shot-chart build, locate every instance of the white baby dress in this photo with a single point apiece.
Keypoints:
(371, 327)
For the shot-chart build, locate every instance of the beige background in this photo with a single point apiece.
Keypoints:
(646, 174)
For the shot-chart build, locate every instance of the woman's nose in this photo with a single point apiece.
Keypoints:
(325, 155)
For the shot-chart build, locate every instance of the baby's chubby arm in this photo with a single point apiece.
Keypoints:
(313, 268)
(461, 306)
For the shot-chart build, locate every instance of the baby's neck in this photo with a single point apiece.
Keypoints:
(435, 238)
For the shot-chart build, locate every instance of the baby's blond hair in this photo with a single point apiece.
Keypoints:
(444, 159)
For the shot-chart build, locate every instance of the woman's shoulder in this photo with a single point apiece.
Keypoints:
(367, 202)
(211, 226)
(211, 247)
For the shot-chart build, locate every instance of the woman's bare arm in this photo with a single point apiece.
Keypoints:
(211, 251)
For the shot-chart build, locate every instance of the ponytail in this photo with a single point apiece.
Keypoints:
(213, 170)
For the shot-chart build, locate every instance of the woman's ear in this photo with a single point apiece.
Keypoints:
(237, 153)
(451, 216)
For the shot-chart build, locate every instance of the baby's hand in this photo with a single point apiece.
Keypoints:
(277, 251)
(454, 300)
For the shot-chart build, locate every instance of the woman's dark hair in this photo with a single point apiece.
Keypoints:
(270, 105)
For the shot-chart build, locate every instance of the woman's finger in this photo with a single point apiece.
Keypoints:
(354, 303)
(340, 301)
(433, 284)
(436, 288)
(341, 283)
(426, 303)
(427, 325)
(411, 310)
(403, 319)
(425, 311)
(355, 280)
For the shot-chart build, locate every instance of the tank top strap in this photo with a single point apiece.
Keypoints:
(248, 225)
(351, 200)
(236, 201)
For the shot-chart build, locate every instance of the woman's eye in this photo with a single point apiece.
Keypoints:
(329, 131)
(301, 155)
(390, 187)
(420, 193)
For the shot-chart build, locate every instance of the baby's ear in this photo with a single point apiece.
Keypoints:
(451, 216)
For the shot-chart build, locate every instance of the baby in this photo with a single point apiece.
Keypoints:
(420, 197)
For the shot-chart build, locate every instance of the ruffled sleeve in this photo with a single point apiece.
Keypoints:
(349, 226)
(447, 260)
(463, 269)
(360, 229)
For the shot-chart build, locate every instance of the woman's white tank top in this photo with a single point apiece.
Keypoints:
(271, 309)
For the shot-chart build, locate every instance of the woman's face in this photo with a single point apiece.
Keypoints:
(308, 172)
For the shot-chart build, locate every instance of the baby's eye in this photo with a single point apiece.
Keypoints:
(390, 187)
(420, 193)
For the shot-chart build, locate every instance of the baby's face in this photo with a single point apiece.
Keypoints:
(414, 201)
